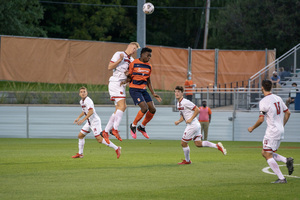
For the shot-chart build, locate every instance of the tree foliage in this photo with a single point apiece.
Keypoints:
(257, 24)
(21, 17)
(234, 24)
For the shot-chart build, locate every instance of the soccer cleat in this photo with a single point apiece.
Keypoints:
(143, 131)
(105, 136)
(290, 165)
(116, 134)
(184, 162)
(221, 148)
(280, 181)
(133, 131)
(118, 152)
(78, 156)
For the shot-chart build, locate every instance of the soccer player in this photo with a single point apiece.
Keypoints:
(277, 115)
(139, 77)
(93, 123)
(119, 63)
(188, 113)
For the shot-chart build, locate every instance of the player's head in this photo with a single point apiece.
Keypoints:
(83, 92)
(294, 84)
(204, 104)
(146, 54)
(178, 92)
(132, 48)
(266, 85)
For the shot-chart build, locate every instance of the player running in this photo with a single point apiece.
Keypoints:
(93, 123)
(277, 115)
(188, 113)
(119, 63)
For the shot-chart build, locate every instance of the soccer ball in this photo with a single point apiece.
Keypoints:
(148, 8)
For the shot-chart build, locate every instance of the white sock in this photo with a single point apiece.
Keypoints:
(209, 144)
(274, 166)
(118, 118)
(279, 158)
(142, 126)
(186, 151)
(110, 123)
(111, 145)
(81, 143)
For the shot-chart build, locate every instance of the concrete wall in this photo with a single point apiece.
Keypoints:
(22, 121)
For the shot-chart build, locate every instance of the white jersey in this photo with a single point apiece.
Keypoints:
(273, 108)
(86, 105)
(186, 109)
(119, 71)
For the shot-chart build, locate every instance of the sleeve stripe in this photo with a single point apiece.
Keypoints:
(285, 110)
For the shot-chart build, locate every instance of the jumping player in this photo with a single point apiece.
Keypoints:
(119, 63)
(139, 77)
(188, 113)
(93, 123)
(277, 114)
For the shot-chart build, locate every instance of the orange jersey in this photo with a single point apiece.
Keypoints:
(188, 87)
(140, 72)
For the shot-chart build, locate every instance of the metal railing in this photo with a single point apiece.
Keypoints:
(255, 80)
(242, 98)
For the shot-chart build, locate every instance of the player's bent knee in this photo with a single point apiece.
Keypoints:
(99, 138)
(152, 110)
(81, 135)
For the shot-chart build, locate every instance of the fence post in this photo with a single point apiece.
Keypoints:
(216, 66)
(127, 121)
(234, 112)
(27, 122)
(295, 60)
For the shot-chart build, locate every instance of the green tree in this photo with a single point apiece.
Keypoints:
(21, 17)
(90, 21)
(257, 24)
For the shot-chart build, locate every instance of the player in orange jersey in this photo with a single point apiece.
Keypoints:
(139, 77)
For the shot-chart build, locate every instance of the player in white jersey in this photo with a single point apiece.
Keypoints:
(277, 115)
(119, 64)
(188, 113)
(93, 123)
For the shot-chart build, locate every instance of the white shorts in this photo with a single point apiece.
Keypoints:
(270, 144)
(96, 128)
(116, 91)
(192, 132)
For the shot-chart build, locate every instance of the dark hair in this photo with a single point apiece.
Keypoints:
(180, 88)
(267, 85)
(146, 49)
(294, 84)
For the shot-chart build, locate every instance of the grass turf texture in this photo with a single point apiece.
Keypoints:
(147, 169)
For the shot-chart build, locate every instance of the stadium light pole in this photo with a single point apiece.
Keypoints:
(141, 25)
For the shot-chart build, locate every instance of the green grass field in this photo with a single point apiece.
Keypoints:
(147, 169)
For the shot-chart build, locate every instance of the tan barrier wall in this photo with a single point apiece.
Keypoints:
(71, 61)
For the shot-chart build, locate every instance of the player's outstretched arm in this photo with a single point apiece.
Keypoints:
(91, 111)
(149, 84)
(257, 124)
(179, 121)
(286, 117)
(77, 119)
